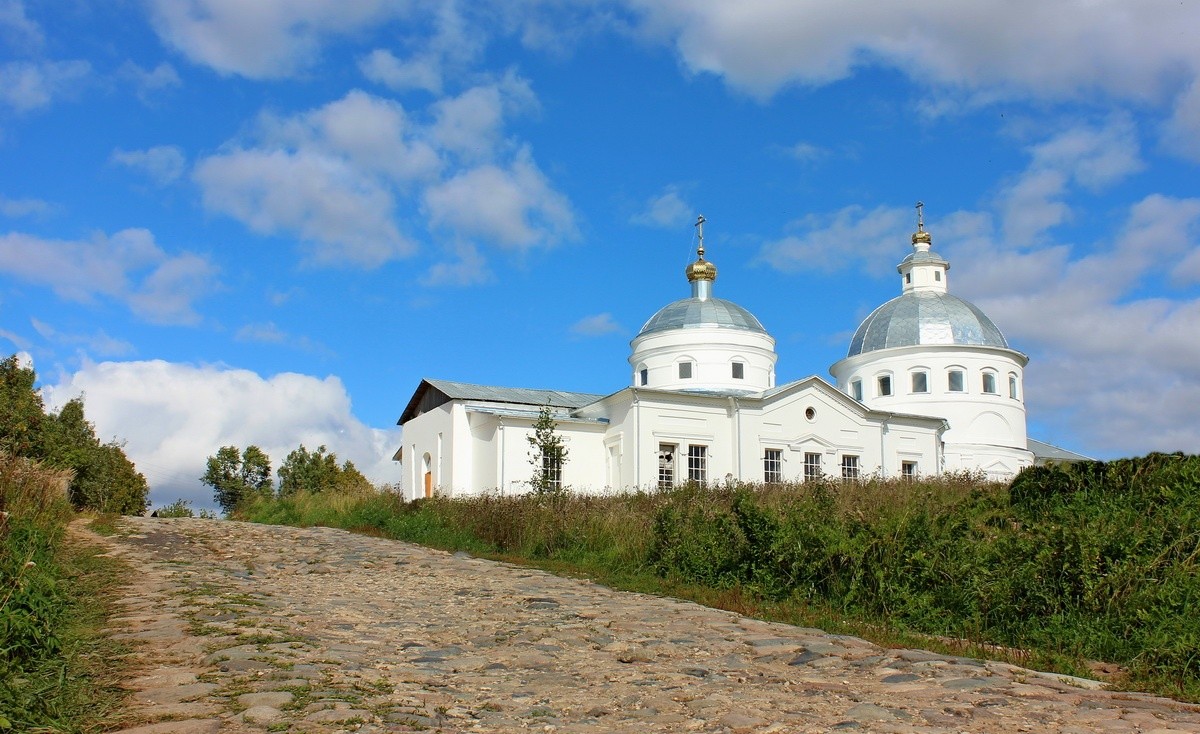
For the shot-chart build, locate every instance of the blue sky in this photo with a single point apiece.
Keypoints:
(230, 222)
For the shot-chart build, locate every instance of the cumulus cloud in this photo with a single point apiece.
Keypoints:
(172, 416)
(383, 67)
(512, 205)
(467, 267)
(29, 85)
(267, 38)
(668, 209)
(128, 267)
(162, 163)
(597, 325)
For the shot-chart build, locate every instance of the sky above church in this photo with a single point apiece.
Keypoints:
(229, 222)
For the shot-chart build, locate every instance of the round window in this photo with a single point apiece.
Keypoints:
(810, 413)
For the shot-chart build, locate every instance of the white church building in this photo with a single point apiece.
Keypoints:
(928, 385)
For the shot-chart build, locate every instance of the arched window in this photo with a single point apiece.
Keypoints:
(739, 370)
(920, 380)
(956, 379)
(1012, 385)
(685, 370)
(883, 383)
(856, 390)
(643, 375)
(989, 382)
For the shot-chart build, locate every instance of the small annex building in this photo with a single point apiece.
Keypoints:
(928, 385)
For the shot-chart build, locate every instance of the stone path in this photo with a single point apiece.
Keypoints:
(252, 628)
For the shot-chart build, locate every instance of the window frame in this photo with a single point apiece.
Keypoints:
(697, 463)
(773, 466)
(552, 470)
(851, 470)
(643, 376)
(686, 366)
(667, 473)
(856, 389)
(909, 470)
(882, 381)
(987, 379)
(924, 375)
(813, 468)
(1013, 392)
(738, 370)
(962, 379)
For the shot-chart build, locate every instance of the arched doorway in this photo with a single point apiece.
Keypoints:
(427, 469)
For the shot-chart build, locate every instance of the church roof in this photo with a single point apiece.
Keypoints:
(432, 393)
(695, 312)
(1044, 453)
(925, 317)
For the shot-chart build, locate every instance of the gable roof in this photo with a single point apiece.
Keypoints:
(431, 393)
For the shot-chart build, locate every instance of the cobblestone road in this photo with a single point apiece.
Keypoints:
(251, 628)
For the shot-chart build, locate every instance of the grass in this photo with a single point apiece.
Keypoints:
(1063, 567)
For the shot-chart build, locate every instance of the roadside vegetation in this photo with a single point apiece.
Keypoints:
(1067, 565)
(57, 669)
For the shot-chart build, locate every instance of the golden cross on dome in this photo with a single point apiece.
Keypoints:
(700, 220)
(920, 216)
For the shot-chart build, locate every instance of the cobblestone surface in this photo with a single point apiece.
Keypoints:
(252, 628)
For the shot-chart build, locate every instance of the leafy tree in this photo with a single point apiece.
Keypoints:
(237, 476)
(547, 454)
(318, 471)
(21, 409)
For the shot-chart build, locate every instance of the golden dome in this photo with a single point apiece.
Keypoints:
(701, 270)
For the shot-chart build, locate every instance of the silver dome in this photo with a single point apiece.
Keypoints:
(690, 313)
(925, 317)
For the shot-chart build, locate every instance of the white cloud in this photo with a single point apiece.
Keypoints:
(149, 82)
(382, 67)
(29, 85)
(468, 267)
(162, 163)
(852, 236)
(16, 28)
(128, 267)
(597, 325)
(266, 38)
(268, 333)
(99, 344)
(1093, 157)
(470, 124)
(668, 209)
(806, 152)
(173, 416)
(513, 206)
(24, 207)
(348, 216)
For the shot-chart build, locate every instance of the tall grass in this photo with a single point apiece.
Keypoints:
(52, 673)
(1092, 562)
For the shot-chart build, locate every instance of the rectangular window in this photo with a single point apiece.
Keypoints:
(849, 466)
(685, 370)
(885, 385)
(666, 465)
(552, 470)
(739, 371)
(773, 466)
(989, 382)
(920, 382)
(956, 380)
(1012, 386)
(937, 275)
(856, 390)
(908, 469)
(697, 464)
(643, 376)
(812, 466)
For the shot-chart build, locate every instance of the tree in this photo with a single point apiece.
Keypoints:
(547, 454)
(21, 409)
(318, 471)
(236, 477)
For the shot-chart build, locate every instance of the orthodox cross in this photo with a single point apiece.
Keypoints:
(700, 220)
(920, 216)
